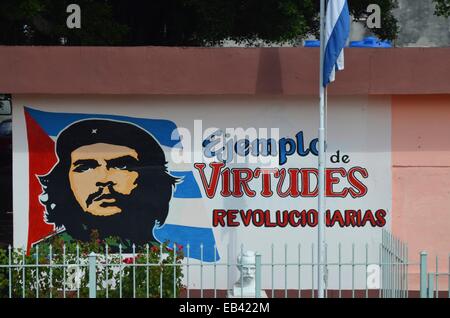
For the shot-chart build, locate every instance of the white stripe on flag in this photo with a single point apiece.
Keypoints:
(188, 212)
(336, 34)
(334, 9)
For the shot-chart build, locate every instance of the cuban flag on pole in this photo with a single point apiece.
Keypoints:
(337, 31)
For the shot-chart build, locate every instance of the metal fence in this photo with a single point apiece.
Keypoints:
(162, 272)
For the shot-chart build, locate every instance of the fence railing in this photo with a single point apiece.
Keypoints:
(170, 272)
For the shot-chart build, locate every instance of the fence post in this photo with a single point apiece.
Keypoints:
(92, 275)
(9, 271)
(423, 274)
(431, 285)
(258, 276)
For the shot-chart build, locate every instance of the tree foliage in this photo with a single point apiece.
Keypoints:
(63, 270)
(442, 8)
(389, 27)
(173, 22)
(43, 22)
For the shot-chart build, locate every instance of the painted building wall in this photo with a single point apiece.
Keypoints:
(421, 178)
(420, 154)
(359, 127)
(417, 80)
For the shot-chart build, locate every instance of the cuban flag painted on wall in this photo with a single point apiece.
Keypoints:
(337, 31)
(186, 222)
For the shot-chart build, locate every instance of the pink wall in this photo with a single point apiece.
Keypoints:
(218, 71)
(421, 177)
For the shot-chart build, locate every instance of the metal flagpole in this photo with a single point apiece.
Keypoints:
(321, 182)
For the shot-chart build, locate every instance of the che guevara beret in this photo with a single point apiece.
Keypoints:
(92, 131)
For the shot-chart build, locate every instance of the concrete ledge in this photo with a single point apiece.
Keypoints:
(218, 71)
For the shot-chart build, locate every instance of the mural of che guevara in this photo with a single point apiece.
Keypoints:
(111, 177)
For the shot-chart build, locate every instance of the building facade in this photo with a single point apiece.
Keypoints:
(237, 129)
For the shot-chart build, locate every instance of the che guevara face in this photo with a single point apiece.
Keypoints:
(101, 173)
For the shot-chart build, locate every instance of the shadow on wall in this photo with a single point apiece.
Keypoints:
(269, 72)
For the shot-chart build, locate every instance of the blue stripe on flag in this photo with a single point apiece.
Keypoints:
(336, 42)
(161, 129)
(187, 187)
(194, 236)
